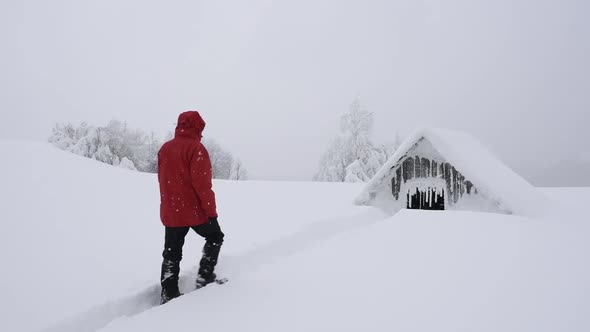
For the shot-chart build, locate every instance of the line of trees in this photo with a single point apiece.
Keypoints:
(352, 157)
(118, 145)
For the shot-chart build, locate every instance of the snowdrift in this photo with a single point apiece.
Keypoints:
(82, 240)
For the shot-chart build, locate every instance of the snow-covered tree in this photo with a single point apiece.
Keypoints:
(352, 157)
(151, 158)
(127, 164)
(104, 154)
(87, 143)
(332, 163)
(63, 136)
(238, 171)
(355, 172)
(221, 160)
(118, 145)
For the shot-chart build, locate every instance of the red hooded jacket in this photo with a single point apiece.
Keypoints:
(184, 173)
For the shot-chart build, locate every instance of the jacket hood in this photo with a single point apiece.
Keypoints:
(190, 124)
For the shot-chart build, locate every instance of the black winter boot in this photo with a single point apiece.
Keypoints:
(206, 279)
(169, 294)
(207, 264)
(169, 280)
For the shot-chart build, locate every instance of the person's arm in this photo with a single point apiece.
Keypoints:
(201, 176)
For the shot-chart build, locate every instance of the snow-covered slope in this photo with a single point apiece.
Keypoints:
(418, 271)
(77, 233)
(81, 245)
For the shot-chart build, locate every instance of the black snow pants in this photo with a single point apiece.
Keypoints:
(173, 243)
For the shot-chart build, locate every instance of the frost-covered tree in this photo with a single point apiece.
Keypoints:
(151, 158)
(108, 144)
(87, 143)
(63, 136)
(332, 163)
(352, 157)
(221, 160)
(238, 171)
(127, 164)
(355, 172)
(104, 154)
(116, 144)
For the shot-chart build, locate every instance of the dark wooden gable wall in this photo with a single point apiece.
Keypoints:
(419, 167)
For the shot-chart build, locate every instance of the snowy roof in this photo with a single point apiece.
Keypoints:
(475, 162)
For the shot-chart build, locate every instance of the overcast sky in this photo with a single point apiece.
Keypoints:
(271, 78)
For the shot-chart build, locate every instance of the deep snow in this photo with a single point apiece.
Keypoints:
(82, 240)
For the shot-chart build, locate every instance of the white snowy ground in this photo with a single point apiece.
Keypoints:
(81, 242)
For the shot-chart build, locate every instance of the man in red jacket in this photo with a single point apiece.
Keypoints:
(187, 201)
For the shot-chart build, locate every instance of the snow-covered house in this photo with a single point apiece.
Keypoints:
(441, 169)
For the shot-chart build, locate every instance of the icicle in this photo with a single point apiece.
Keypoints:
(434, 198)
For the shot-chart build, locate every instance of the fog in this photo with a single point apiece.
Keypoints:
(271, 78)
